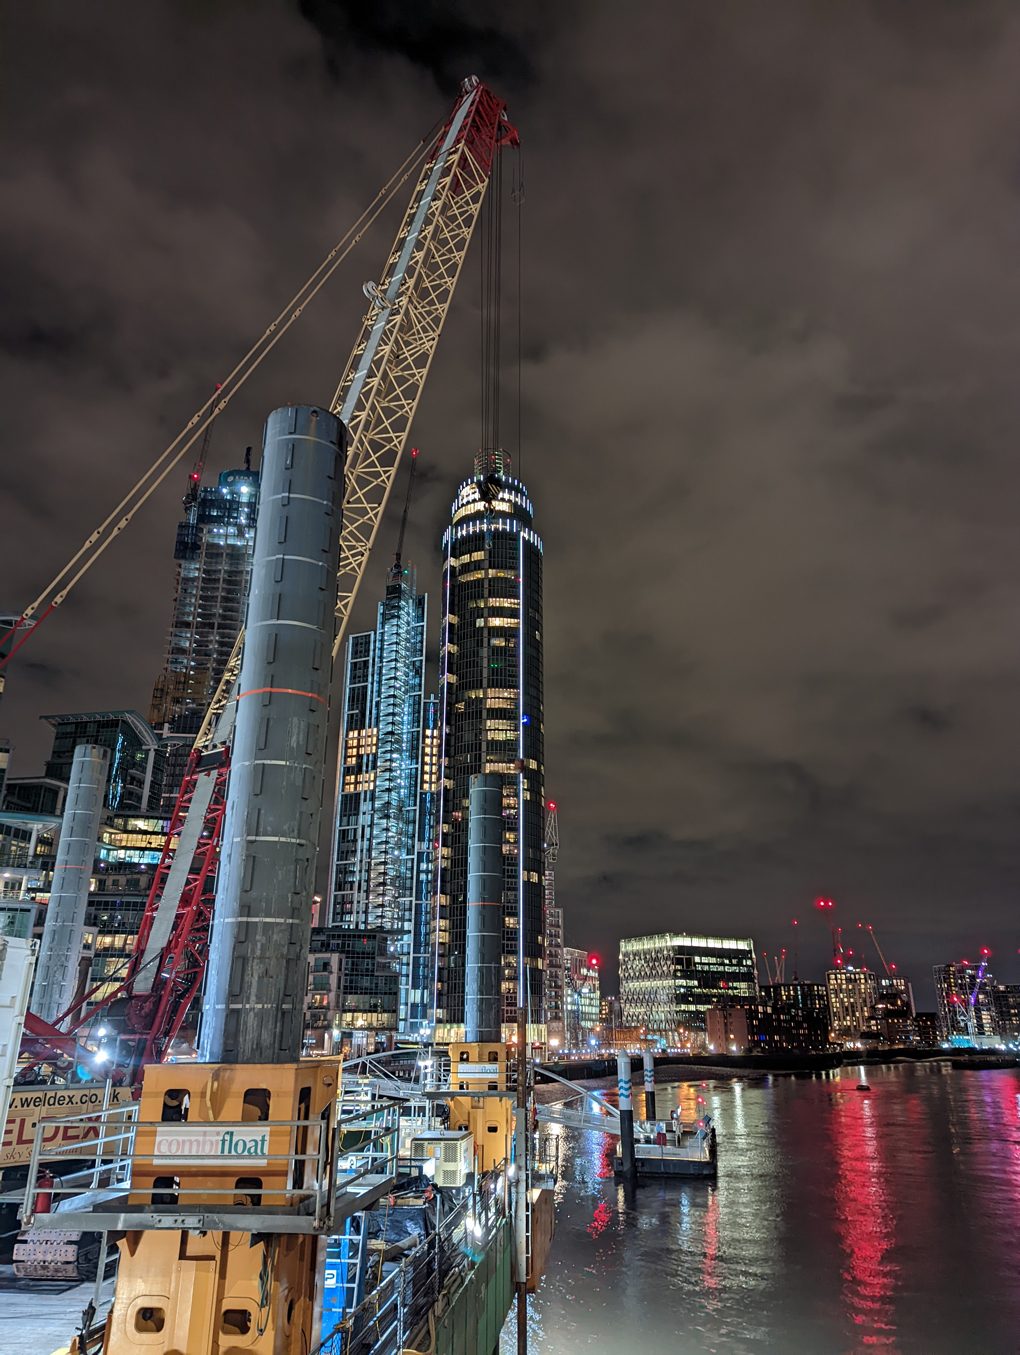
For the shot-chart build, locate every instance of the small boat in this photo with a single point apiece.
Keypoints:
(661, 1150)
(863, 1087)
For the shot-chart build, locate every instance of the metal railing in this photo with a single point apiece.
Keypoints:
(400, 1305)
(290, 1174)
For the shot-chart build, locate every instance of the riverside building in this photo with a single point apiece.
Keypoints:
(965, 994)
(668, 982)
(582, 997)
(852, 994)
(384, 864)
(491, 721)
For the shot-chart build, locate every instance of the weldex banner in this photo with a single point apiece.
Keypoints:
(190, 1147)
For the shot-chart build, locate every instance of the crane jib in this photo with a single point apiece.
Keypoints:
(450, 140)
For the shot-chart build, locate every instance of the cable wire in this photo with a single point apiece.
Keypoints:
(212, 407)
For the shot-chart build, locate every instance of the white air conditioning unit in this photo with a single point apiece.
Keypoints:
(451, 1151)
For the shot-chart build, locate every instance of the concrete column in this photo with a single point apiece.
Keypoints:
(57, 971)
(254, 1003)
(483, 999)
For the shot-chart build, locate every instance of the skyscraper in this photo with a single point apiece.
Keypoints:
(388, 789)
(491, 696)
(213, 551)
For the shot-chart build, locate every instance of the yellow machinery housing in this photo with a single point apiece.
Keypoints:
(478, 1068)
(195, 1291)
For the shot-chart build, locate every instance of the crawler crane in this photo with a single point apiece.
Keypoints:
(234, 1178)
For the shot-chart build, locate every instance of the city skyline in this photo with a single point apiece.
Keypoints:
(779, 623)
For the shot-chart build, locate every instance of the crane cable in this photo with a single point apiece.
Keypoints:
(213, 406)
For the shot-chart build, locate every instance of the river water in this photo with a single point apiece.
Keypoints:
(842, 1221)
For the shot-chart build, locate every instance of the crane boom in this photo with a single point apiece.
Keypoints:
(874, 938)
(379, 391)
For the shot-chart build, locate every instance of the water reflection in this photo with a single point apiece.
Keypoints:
(842, 1222)
(865, 1215)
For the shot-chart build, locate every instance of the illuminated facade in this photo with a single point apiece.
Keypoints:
(213, 550)
(491, 699)
(383, 878)
(353, 985)
(965, 994)
(852, 994)
(582, 997)
(667, 983)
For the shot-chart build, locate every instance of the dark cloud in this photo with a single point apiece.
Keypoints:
(447, 38)
(770, 338)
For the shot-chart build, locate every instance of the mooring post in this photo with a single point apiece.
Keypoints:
(648, 1059)
(623, 1083)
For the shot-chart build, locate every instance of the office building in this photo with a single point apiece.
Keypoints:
(926, 1027)
(384, 866)
(668, 982)
(135, 784)
(582, 997)
(213, 553)
(1007, 1011)
(965, 995)
(35, 795)
(491, 698)
(27, 841)
(803, 1013)
(353, 991)
(852, 994)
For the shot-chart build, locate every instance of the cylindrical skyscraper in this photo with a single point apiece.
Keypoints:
(60, 951)
(258, 953)
(491, 693)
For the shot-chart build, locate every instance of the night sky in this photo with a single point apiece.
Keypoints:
(770, 405)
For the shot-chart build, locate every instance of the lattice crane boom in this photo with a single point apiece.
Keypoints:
(379, 391)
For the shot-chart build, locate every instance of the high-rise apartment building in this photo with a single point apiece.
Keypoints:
(667, 983)
(1007, 1010)
(491, 696)
(213, 551)
(852, 994)
(965, 994)
(384, 869)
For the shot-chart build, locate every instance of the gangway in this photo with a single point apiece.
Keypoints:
(602, 1116)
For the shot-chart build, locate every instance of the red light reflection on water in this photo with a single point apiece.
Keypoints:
(864, 1221)
(600, 1219)
(709, 1278)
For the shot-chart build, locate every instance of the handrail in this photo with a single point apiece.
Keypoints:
(116, 1148)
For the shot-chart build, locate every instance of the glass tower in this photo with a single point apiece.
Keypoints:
(386, 806)
(213, 551)
(491, 697)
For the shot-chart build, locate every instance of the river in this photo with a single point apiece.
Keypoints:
(842, 1221)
